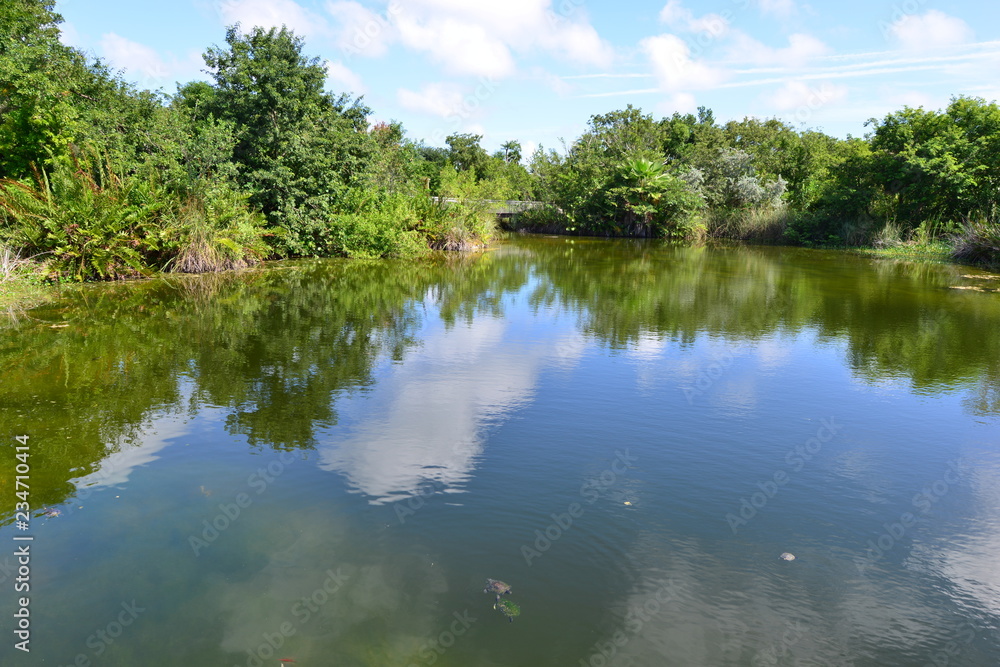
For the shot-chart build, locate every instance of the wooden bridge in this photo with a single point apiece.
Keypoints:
(504, 209)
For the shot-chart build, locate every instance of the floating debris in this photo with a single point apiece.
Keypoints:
(787, 556)
(629, 503)
(973, 288)
(508, 608)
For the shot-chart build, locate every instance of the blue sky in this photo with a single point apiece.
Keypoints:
(536, 70)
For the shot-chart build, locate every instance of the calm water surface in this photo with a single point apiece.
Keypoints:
(324, 461)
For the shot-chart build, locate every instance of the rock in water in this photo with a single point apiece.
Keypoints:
(508, 608)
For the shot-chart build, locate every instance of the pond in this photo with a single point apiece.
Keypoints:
(323, 461)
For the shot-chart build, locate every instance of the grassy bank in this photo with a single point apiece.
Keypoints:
(937, 251)
(975, 244)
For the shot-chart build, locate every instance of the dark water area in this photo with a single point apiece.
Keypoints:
(324, 461)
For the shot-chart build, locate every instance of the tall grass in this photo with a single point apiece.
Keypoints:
(12, 265)
(464, 225)
(215, 230)
(20, 285)
(978, 243)
(758, 224)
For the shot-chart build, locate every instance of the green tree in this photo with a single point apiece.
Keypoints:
(653, 202)
(938, 166)
(38, 118)
(510, 152)
(465, 153)
(297, 146)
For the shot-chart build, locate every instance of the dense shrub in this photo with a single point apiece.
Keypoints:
(89, 221)
(979, 243)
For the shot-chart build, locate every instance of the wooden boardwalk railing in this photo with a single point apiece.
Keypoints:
(503, 208)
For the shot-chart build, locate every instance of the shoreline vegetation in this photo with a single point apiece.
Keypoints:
(102, 181)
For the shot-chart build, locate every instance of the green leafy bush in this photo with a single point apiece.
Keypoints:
(91, 223)
(361, 223)
(543, 219)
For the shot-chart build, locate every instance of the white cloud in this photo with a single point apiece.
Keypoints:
(797, 96)
(138, 59)
(559, 85)
(465, 38)
(580, 43)
(69, 35)
(676, 71)
(528, 149)
(913, 98)
(436, 99)
(681, 18)
(423, 424)
(801, 48)
(681, 103)
(361, 31)
(459, 47)
(930, 30)
(272, 14)
(339, 77)
(780, 8)
(674, 14)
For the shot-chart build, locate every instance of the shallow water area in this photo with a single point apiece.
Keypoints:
(324, 461)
